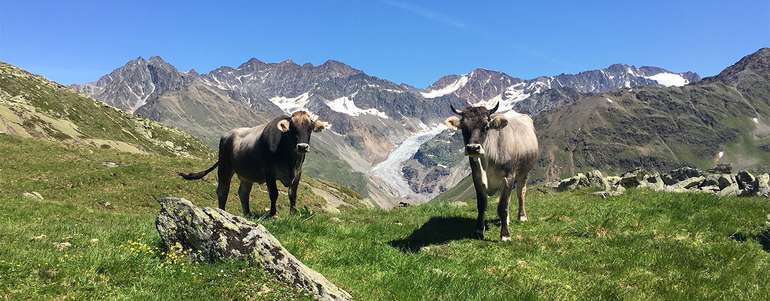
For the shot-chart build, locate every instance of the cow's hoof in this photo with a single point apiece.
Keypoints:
(505, 238)
(522, 218)
(293, 211)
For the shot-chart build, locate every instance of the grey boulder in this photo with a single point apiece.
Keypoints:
(213, 234)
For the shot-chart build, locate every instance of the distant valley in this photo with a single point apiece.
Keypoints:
(387, 143)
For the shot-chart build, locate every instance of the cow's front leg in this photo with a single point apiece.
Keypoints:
(293, 195)
(244, 190)
(502, 209)
(295, 174)
(480, 184)
(272, 191)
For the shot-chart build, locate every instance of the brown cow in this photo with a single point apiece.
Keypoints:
(502, 149)
(264, 155)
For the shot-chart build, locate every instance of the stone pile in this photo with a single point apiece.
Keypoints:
(717, 181)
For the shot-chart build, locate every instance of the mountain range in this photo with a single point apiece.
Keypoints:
(387, 141)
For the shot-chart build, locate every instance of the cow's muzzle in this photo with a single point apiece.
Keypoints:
(474, 150)
(303, 147)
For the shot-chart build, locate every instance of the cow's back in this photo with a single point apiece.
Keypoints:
(245, 154)
(513, 147)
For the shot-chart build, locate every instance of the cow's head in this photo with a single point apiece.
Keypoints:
(475, 122)
(300, 125)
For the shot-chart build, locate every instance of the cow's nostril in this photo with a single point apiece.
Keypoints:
(303, 147)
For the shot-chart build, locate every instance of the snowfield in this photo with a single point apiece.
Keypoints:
(449, 89)
(346, 105)
(669, 79)
(291, 104)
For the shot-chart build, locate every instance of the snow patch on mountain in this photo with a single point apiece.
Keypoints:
(512, 95)
(291, 104)
(346, 105)
(448, 89)
(669, 79)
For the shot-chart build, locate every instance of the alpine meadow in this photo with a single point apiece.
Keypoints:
(172, 151)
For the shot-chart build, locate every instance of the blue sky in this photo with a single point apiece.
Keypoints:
(414, 42)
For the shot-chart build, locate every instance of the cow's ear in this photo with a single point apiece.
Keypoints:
(498, 122)
(320, 126)
(452, 122)
(283, 126)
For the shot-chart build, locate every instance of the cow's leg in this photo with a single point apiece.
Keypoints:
(480, 184)
(293, 196)
(244, 190)
(502, 209)
(272, 191)
(225, 175)
(521, 190)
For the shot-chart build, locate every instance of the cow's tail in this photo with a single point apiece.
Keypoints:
(198, 175)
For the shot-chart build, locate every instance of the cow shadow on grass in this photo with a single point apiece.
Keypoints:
(438, 230)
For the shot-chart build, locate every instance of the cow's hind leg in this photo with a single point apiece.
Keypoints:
(521, 190)
(272, 191)
(225, 175)
(502, 209)
(244, 190)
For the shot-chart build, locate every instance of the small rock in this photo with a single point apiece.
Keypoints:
(62, 246)
(681, 174)
(687, 183)
(747, 183)
(33, 196)
(653, 181)
(39, 237)
(731, 190)
(607, 194)
(725, 181)
(613, 180)
(110, 164)
(710, 188)
(578, 181)
(763, 185)
(632, 179)
(458, 204)
(597, 180)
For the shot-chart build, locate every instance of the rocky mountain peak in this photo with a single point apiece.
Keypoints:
(253, 64)
(340, 68)
(756, 63)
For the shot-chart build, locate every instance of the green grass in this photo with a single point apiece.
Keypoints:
(642, 245)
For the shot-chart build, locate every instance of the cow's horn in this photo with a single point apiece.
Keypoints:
(493, 110)
(458, 112)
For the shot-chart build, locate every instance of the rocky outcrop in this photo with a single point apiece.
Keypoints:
(213, 234)
(686, 179)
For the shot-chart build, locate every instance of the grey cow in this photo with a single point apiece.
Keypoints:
(502, 150)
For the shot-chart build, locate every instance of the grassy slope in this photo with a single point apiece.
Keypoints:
(639, 246)
(51, 111)
(86, 200)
